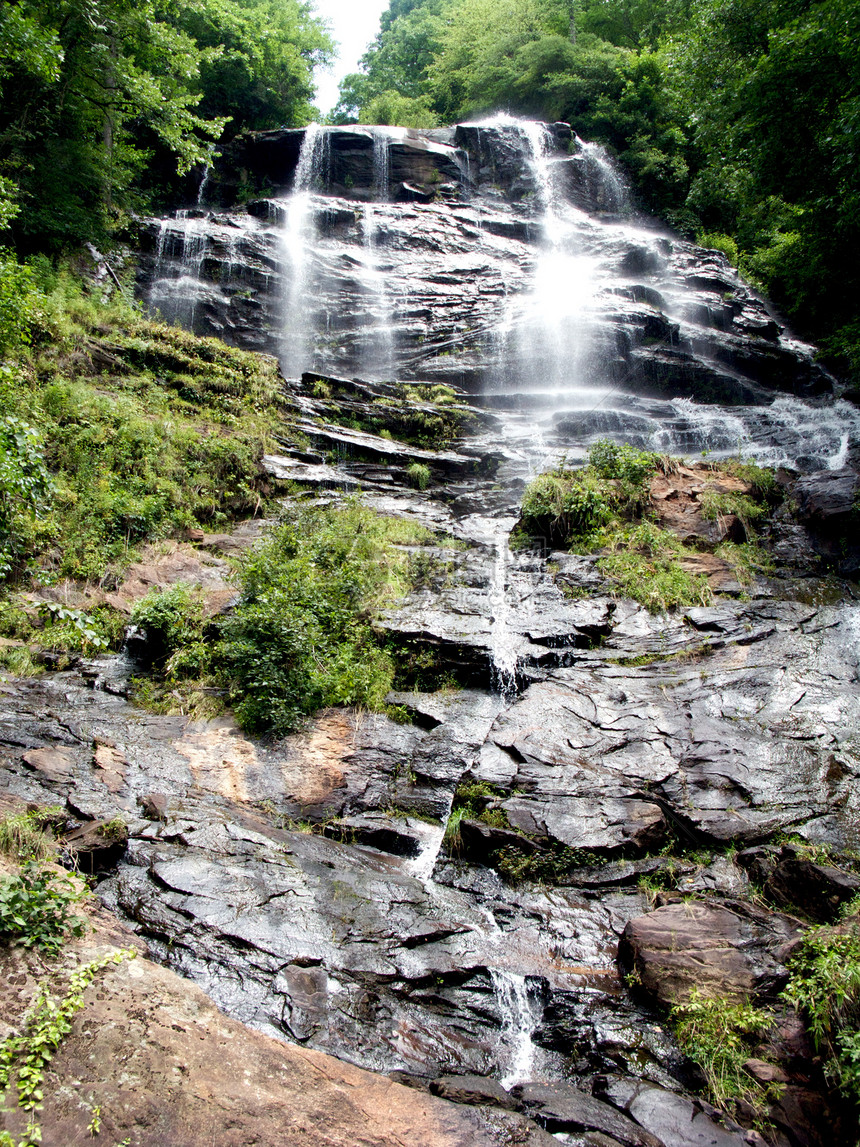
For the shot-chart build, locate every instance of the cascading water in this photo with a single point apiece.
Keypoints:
(547, 329)
(608, 188)
(377, 348)
(574, 306)
(181, 249)
(592, 307)
(518, 1025)
(298, 248)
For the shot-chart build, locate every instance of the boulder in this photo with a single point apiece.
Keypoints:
(473, 1090)
(560, 1107)
(163, 1066)
(724, 951)
(673, 1119)
(796, 883)
(827, 498)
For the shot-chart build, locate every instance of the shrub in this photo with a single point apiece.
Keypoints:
(25, 487)
(621, 461)
(824, 984)
(715, 241)
(419, 475)
(173, 619)
(572, 506)
(23, 837)
(566, 505)
(301, 637)
(35, 908)
(72, 629)
(718, 1035)
(19, 303)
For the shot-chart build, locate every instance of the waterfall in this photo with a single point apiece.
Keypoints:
(572, 308)
(312, 174)
(180, 251)
(377, 348)
(608, 189)
(553, 341)
(518, 1025)
(504, 668)
(207, 170)
(381, 163)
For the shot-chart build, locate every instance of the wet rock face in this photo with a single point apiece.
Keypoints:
(305, 884)
(423, 259)
(153, 1056)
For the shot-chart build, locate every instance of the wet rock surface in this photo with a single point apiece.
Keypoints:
(592, 752)
(676, 320)
(158, 1063)
(728, 951)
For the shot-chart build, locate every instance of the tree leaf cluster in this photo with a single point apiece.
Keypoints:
(104, 103)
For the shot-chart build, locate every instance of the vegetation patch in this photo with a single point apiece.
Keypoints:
(301, 636)
(644, 562)
(24, 1058)
(824, 986)
(720, 1036)
(23, 835)
(606, 507)
(552, 863)
(473, 800)
(35, 908)
(115, 430)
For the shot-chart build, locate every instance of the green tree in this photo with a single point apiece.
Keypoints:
(397, 61)
(96, 94)
(262, 54)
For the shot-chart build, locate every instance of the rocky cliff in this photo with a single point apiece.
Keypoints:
(643, 802)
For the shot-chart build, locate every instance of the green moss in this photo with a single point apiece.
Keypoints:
(551, 864)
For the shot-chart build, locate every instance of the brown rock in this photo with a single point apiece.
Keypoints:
(765, 1072)
(53, 764)
(111, 763)
(167, 1069)
(475, 1090)
(727, 951)
(154, 806)
(167, 564)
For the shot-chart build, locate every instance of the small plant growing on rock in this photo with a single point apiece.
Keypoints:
(23, 835)
(419, 475)
(24, 1058)
(719, 1036)
(824, 986)
(35, 908)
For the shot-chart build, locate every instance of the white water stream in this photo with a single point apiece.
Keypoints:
(518, 1024)
(299, 237)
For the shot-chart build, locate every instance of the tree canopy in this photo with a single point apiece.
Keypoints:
(95, 95)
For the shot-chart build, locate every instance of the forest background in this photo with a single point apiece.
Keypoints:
(737, 121)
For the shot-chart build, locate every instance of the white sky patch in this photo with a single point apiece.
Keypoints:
(353, 24)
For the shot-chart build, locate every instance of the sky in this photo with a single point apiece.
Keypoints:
(353, 25)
